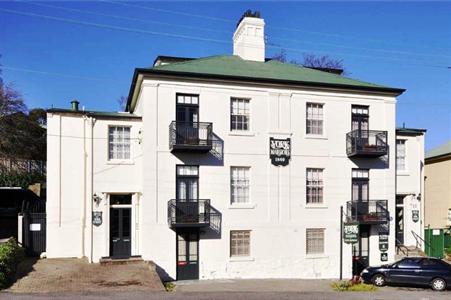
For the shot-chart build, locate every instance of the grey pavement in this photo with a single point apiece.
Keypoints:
(388, 294)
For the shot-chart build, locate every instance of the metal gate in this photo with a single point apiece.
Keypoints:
(34, 233)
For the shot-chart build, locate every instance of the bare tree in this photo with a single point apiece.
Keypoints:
(322, 61)
(313, 61)
(122, 102)
(10, 100)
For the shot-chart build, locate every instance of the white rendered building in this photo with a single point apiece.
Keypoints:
(409, 216)
(228, 167)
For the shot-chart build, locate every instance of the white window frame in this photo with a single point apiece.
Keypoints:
(243, 247)
(247, 113)
(322, 119)
(246, 184)
(404, 142)
(123, 159)
(312, 252)
(318, 185)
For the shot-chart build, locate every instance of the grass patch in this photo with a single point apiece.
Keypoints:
(169, 286)
(349, 286)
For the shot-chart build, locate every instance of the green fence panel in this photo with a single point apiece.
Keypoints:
(435, 242)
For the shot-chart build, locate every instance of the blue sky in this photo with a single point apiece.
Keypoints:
(400, 44)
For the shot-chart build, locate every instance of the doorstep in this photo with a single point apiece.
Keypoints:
(120, 261)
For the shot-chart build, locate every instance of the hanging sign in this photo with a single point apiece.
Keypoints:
(279, 151)
(351, 233)
(415, 215)
(97, 218)
(384, 256)
(383, 241)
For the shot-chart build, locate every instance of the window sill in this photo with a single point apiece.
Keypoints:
(120, 162)
(242, 206)
(402, 173)
(316, 256)
(241, 258)
(313, 206)
(315, 137)
(241, 133)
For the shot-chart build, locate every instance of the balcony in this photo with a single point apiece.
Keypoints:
(190, 136)
(372, 212)
(189, 213)
(366, 143)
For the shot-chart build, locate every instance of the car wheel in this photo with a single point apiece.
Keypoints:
(438, 284)
(378, 280)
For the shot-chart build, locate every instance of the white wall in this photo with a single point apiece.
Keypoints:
(278, 216)
(69, 188)
(410, 186)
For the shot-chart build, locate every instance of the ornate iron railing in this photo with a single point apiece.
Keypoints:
(366, 143)
(189, 213)
(368, 212)
(190, 135)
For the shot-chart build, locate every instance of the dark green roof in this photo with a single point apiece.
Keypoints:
(234, 66)
(442, 150)
(97, 114)
(410, 131)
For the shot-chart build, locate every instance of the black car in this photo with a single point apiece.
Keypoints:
(421, 271)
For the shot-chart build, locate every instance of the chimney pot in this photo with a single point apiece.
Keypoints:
(74, 104)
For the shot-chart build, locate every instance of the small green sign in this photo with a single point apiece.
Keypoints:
(351, 233)
(383, 241)
(384, 256)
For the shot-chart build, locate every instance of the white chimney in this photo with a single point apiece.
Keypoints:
(249, 39)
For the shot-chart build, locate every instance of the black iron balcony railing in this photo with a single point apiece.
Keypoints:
(366, 143)
(189, 213)
(190, 136)
(367, 212)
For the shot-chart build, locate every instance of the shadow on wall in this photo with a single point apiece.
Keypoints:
(213, 158)
(382, 162)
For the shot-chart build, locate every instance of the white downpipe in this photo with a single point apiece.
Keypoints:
(59, 172)
(91, 200)
(83, 213)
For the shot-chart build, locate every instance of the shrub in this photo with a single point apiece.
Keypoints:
(10, 256)
(350, 286)
(448, 251)
(169, 286)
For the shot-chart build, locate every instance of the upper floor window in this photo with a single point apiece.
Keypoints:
(240, 114)
(240, 241)
(315, 241)
(118, 142)
(400, 155)
(314, 118)
(314, 186)
(239, 184)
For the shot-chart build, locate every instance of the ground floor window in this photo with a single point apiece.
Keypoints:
(315, 240)
(240, 243)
